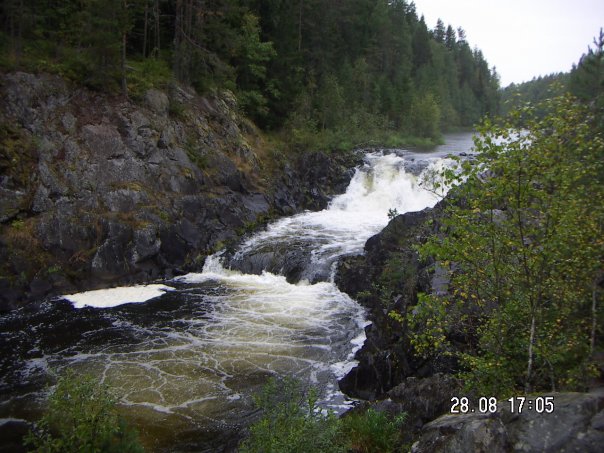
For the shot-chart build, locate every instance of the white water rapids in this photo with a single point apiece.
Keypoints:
(190, 359)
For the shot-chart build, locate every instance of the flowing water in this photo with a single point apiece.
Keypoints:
(187, 357)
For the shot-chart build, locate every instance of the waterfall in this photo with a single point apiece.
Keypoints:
(191, 357)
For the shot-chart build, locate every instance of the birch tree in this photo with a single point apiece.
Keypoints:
(523, 243)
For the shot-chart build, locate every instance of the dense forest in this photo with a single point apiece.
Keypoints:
(328, 73)
(533, 91)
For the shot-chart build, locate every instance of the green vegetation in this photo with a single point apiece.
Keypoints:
(372, 431)
(329, 75)
(82, 417)
(292, 422)
(17, 155)
(521, 240)
(535, 91)
(150, 73)
(587, 78)
(523, 243)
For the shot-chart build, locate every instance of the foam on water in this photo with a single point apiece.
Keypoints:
(351, 218)
(193, 356)
(112, 297)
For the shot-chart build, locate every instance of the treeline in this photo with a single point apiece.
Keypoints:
(534, 91)
(311, 66)
(584, 81)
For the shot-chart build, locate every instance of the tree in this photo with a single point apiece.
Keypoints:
(534, 91)
(330, 102)
(252, 67)
(440, 32)
(103, 43)
(14, 16)
(450, 38)
(269, 53)
(522, 242)
(587, 78)
(425, 116)
(421, 45)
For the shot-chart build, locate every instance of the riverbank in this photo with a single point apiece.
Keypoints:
(444, 317)
(391, 378)
(99, 191)
(211, 342)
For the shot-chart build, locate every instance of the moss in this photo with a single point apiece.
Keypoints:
(25, 256)
(187, 173)
(196, 154)
(177, 110)
(164, 216)
(54, 269)
(18, 224)
(84, 255)
(128, 185)
(131, 219)
(18, 156)
(259, 222)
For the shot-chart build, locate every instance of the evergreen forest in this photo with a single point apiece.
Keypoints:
(329, 74)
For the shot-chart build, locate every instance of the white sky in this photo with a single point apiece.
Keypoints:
(522, 38)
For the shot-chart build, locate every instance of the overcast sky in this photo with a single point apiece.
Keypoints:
(522, 38)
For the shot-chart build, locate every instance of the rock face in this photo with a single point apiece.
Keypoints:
(424, 399)
(96, 190)
(395, 380)
(575, 425)
(287, 260)
(385, 360)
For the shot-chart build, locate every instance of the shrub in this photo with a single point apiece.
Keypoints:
(372, 431)
(82, 417)
(292, 423)
(146, 74)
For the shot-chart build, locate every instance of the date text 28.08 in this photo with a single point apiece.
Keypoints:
(517, 404)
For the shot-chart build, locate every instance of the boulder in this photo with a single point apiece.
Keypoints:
(157, 101)
(427, 398)
(386, 358)
(575, 425)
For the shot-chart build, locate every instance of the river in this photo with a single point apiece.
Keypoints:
(187, 358)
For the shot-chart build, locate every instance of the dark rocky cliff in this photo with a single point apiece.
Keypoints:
(386, 358)
(394, 380)
(97, 190)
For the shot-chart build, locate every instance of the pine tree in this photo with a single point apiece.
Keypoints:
(440, 32)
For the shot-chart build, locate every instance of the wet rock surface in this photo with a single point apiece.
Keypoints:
(386, 358)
